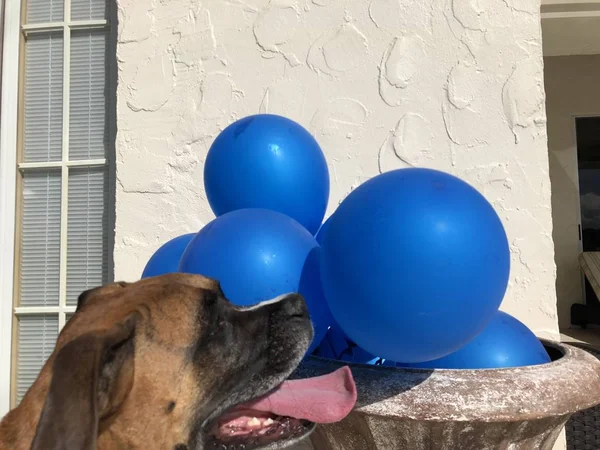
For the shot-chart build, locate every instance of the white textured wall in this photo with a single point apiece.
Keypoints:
(449, 84)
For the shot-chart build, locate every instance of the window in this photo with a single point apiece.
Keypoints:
(64, 208)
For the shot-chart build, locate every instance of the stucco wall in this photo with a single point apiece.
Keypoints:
(450, 84)
(572, 89)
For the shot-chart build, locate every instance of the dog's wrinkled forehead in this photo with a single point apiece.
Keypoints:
(165, 301)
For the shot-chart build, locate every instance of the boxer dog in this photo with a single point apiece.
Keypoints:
(168, 363)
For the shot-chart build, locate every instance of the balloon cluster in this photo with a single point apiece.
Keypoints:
(410, 270)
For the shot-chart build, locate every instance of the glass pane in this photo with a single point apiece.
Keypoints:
(36, 340)
(588, 160)
(88, 134)
(40, 239)
(43, 98)
(88, 9)
(87, 236)
(44, 11)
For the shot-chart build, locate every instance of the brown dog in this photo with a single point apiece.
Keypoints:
(169, 363)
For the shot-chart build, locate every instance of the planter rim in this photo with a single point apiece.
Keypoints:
(559, 388)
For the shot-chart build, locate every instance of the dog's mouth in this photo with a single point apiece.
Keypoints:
(288, 413)
(250, 429)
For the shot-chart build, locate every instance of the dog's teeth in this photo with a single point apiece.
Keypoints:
(269, 421)
(254, 422)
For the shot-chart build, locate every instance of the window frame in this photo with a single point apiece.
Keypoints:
(12, 169)
(8, 184)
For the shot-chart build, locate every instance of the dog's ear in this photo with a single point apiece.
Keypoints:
(91, 377)
(85, 296)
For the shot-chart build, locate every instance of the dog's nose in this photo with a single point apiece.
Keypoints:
(293, 305)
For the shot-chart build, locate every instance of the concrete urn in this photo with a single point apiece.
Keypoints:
(415, 409)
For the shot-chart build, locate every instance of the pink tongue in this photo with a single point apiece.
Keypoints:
(325, 399)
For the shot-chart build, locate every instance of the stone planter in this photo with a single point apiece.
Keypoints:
(414, 409)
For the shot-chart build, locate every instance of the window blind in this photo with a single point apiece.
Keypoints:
(88, 132)
(40, 238)
(88, 9)
(43, 97)
(44, 11)
(37, 337)
(87, 248)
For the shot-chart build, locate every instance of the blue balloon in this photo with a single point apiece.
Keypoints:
(268, 161)
(259, 254)
(505, 342)
(336, 345)
(166, 258)
(415, 264)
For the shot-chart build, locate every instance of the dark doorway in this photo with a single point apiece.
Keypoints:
(587, 130)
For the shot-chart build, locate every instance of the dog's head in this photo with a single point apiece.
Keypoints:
(165, 363)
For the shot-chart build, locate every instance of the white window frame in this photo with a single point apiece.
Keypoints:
(8, 178)
(10, 167)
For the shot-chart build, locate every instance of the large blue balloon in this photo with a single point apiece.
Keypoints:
(415, 264)
(505, 342)
(268, 161)
(258, 254)
(166, 258)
